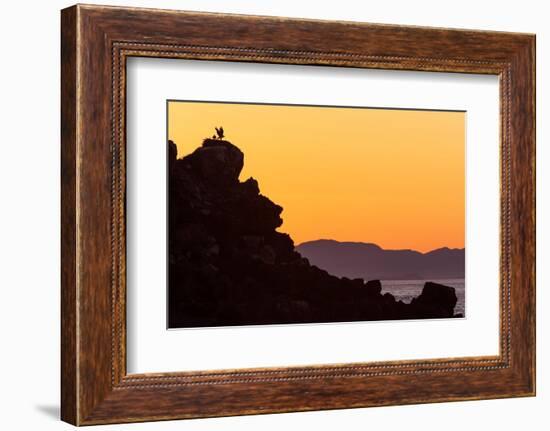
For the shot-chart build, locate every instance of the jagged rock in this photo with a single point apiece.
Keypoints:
(373, 287)
(437, 299)
(251, 186)
(228, 265)
(172, 154)
(217, 161)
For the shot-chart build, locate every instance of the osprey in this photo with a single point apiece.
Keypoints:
(220, 132)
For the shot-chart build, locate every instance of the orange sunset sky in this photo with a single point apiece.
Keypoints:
(395, 178)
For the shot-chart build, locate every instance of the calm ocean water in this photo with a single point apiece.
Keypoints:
(406, 290)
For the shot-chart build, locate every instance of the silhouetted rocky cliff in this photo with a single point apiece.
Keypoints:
(229, 266)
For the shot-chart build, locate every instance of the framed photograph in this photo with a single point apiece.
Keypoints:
(353, 180)
(264, 214)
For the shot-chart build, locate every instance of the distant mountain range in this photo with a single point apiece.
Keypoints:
(369, 261)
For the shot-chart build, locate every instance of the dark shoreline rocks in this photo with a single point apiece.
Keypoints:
(228, 265)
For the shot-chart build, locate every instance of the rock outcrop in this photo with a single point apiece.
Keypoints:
(228, 265)
(436, 299)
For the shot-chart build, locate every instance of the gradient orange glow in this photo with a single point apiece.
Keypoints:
(391, 177)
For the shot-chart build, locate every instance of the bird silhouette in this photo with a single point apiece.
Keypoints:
(220, 132)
